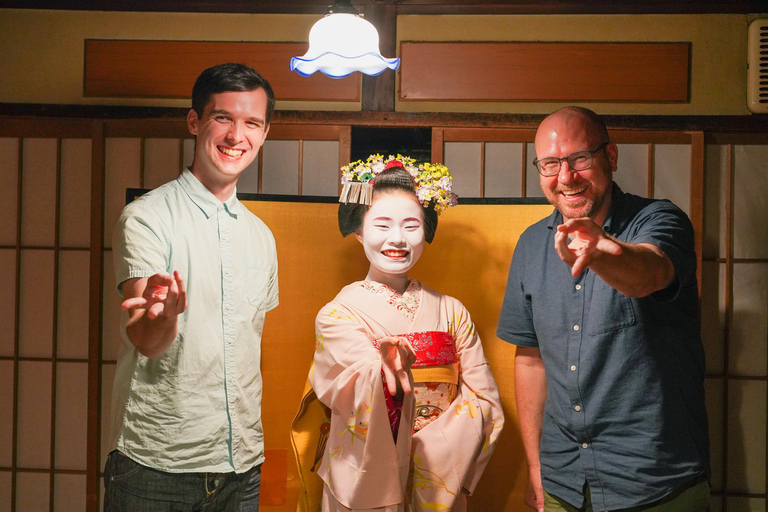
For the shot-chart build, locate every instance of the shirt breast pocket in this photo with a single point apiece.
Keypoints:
(609, 310)
(257, 283)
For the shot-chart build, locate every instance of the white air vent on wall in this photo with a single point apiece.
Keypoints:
(757, 75)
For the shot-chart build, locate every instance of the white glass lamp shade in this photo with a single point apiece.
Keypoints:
(341, 44)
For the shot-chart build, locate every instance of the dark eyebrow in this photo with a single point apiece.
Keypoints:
(216, 112)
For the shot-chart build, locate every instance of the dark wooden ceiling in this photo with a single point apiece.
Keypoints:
(409, 6)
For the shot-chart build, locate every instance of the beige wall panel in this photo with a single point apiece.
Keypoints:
(751, 183)
(7, 301)
(463, 162)
(320, 176)
(713, 389)
(36, 303)
(110, 334)
(161, 161)
(746, 440)
(34, 420)
(107, 380)
(32, 492)
(503, 169)
(745, 505)
(715, 190)
(68, 493)
(713, 315)
(749, 329)
(123, 168)
(5, 490)
(672, 174)
(6, 415)
(632, 172)
(75, 195)
(70, 445)
(189, 152)
(9, 174)
(532, 186)
(280, 168)
(38, 192)
(73, 305)
(718, 50)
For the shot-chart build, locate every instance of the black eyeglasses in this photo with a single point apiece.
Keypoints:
(578, 161)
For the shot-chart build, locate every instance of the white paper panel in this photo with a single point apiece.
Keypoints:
(123, 166)
(749, 328)
(463, 162)
(34, 420)
(189, 152)
(7, 301)
(713, 389)
(280, 168)
(672, 174)
(73, 299)
(110, 328)
(713, 315)
(70, 446)
(746, 436)
(107, 381)
(161, 161)
(38, 192)
(503, 169)
(750, 219)
(715, 221)
(6, 415)
(75, 194)
(321, 173)
(9, 194)
(36, 303)
(746, 505)
(632, 172)
(33, 492)
(69, 493)
(532, 187)
(5, 490)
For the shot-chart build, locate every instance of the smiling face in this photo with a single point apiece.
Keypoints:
(579, 194)
(228, 138)
(392, 235)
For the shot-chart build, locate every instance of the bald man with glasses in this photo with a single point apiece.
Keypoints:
(602, 305)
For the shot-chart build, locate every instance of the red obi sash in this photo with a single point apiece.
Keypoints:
(433, 348)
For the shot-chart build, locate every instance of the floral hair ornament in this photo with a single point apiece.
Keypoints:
(433, 182)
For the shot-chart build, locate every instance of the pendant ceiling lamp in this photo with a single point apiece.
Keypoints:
(342, 43)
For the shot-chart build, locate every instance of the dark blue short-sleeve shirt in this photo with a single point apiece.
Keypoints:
(625, 403)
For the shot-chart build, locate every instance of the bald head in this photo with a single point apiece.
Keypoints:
(574, 122)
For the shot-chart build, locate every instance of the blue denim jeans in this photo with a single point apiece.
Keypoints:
(131, 487)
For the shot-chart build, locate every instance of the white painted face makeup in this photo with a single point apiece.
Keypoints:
(392, 236)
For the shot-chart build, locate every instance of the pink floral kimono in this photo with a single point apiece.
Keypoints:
(448, 426)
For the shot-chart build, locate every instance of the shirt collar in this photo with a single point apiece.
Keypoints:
(203, 198)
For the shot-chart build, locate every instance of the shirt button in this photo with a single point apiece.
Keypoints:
(584, 445)
(573, 367)
(578, 287)
(577, 408)
(575, 327)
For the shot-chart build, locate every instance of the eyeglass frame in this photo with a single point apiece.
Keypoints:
(536, 161)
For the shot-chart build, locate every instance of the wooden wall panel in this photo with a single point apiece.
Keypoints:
(168, 69)
(604, 72)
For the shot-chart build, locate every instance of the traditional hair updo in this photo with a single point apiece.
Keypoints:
(390, 180)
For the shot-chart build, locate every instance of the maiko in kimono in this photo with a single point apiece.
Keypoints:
(403, 412)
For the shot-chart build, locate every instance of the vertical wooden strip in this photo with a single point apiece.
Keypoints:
(181, 156)
(379, 91)
(651, 169)
(17, 326)
(697, 199)
(345, 151)
(301, 166)
(482, 169)
(438, 139)
(95, 316)
(524, 173)
(729, 197)
(142, 161)
(55, 317)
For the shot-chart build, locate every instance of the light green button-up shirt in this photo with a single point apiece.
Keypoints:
(197, 407)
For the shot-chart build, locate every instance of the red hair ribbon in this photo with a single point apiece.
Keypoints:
(393, 163)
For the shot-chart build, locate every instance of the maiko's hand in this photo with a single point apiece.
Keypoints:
(163, 295)
(588, 243)
(397, 356)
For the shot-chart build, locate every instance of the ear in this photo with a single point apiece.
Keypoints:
(359, 236)
(192, 121)
(612, 150)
